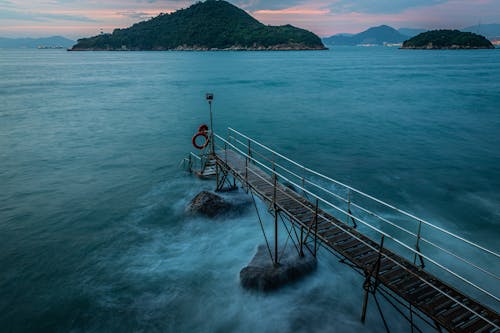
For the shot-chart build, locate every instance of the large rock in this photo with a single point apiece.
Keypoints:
(208, 204)
(262, 275)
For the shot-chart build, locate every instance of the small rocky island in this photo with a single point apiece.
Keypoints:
(447, 40)
(205, 26)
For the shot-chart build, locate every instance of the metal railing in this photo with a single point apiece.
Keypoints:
(408, 234)
(195, 163)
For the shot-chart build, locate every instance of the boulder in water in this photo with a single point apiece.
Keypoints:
(208, 204)
(262, 275)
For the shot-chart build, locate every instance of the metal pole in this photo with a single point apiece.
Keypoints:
(365, 303)
(275, 237)
(217, 188)
(367, 284)
(417, 246)
(275, 207)
(348, 206)
(247, 161)
(211, 129)
(301, 241)
(316, 228)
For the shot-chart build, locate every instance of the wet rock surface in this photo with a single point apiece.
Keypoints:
(262, 275)
(208, 204)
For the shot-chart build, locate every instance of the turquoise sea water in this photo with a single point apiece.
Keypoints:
(93, 234)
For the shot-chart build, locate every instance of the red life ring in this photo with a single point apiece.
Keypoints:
(203, 128)
(193, 140)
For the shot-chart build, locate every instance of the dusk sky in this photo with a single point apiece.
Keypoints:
(81, 18)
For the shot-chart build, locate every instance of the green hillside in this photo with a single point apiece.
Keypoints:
(208, 25)
(447, 39)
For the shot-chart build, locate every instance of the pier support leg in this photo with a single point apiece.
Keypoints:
(217, 176)
(301, 241)
(276, 263)
(438, 327)
(365, 301)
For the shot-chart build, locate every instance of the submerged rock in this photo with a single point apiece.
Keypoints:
(208, 204)
(262, 275)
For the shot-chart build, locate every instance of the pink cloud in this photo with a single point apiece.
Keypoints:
(451, 14)
(291, 11)
(314, 15)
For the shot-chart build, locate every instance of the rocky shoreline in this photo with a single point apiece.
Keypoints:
(282, 47)
(452, 47)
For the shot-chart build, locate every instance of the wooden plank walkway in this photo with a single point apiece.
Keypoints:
(403, 278)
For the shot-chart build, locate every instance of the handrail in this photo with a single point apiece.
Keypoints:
(366, 195)
(377, 216)
(380, 232)
(362, 208)
(195, 156)
(397, 241)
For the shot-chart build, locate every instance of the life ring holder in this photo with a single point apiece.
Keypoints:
(203, 134)
(203, 128)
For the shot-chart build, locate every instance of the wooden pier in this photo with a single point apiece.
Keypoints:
(290, 196)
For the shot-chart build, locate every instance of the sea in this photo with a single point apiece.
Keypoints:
(94, 234)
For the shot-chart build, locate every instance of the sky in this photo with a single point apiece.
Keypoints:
(83, 18)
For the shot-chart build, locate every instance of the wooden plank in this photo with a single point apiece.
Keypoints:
(323, 225)
(473, 324)
(427, 294)
(331, 232)
(454, 311)
(481, 327)
(339, 238)
(349, 244)
(297, 210)
(361, 250)
(328, 226)
(309, 213)
(415, 293)
(458, 318)
(368, 260)
(393, 275)
(443, 307)
(409, 284)
(287, 200)
(386, 264)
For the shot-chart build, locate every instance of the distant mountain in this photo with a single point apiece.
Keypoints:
(411, 32)
(488, 30)
(376, 35)
(447, 39)
(209, 25)
(48, 42)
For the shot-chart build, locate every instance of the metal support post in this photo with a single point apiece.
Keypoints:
(348, 206)
(276, 263)
(275, 208)
(417, 246)
(225, 153)
(247, 162)
(365, 303)
(316, 228)
(368, 280)
(301, 241)
(217, 178)
(211, 126)
(349, 212)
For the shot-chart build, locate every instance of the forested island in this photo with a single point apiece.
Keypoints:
(209, 25)
(375, 36)
(447, 39)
